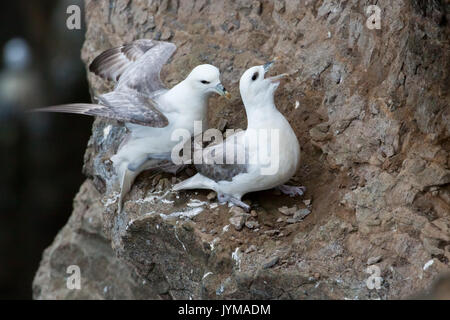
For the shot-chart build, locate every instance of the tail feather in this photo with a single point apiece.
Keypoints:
(126, 183)
(90, 109)
(128, 176)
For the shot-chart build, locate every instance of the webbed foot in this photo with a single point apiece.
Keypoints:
(292, 191)
(224, 198)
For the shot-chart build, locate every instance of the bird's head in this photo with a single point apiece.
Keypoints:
(205, 79)
(254, 88)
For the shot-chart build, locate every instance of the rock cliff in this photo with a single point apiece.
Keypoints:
(371, 110)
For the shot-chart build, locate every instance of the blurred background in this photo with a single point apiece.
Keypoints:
(41, 155)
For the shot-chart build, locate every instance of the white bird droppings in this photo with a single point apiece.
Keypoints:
(206, 274)
(183, 214)
(236, 256)
(195, 203)
(106, 132)
(428, 264)
(226, 228)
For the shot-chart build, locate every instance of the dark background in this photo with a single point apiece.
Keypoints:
(41, 155)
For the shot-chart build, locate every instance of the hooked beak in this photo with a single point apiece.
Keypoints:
(269, 65)
(220, 89)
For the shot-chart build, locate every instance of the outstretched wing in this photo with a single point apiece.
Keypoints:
(119, 106)
(136, 65)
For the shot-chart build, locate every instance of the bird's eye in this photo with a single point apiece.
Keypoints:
(205, 82)
(255, 76)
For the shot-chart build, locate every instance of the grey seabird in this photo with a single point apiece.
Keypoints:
(150, 111)
(232, 181)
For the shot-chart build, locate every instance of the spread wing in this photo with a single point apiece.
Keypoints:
(136, 68)
(120, 106)
(215, 157)
(136, 65)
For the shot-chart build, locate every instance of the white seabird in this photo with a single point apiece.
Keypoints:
(150, 111)
(232, 181)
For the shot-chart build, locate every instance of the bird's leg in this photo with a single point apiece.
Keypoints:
(292, 191)
(240, 203)
(223, 198)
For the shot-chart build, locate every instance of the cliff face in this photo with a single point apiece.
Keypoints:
(371, 110)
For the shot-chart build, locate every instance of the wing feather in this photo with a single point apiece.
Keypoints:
(77, 108)
(223, 171)
(136, 65)
(119, 106)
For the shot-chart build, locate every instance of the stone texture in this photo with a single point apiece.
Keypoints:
(81, 242)
(371, 111)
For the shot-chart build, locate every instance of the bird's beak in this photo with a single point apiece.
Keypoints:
(269, 65)
(278, 77)
(220, 89)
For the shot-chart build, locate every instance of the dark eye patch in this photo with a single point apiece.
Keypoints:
(255, 76)
(205, 82)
